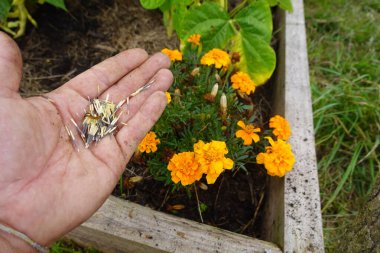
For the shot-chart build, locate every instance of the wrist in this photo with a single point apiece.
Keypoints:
(12, 244)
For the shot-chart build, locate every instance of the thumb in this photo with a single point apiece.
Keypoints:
(10, 66)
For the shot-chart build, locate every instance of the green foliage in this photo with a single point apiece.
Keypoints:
(189, 117)
(252, 41)
(174, 11)
(246, 29)
(203, 207)
(65, 246)
(344, 72)
(5, 6)
(152, 4)
(283, 4)
(194, 114)
(57, 3)
(14, 15)
(199, 19)
(249, 33)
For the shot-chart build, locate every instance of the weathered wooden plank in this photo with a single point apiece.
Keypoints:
(303, 221)
(122, 226)
(297, 227)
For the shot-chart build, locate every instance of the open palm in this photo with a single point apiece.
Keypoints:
(47, 187)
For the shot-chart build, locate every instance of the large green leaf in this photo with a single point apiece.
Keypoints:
(179, 11)
(257, 57)
(5, 6)
(57, 3)
(252, 41)
(284, 4)
(174, 12)
(271, 2)
(152, 4)
(209, 20)
(256, 19)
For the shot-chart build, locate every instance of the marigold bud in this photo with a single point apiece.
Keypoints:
(223, 104)
(217, 77)
(210, 97)
(195, 72)
(235, 57)
(202, 186)
(214, 90)
(177, 95)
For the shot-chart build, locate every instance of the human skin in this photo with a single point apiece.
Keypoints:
(47, 187)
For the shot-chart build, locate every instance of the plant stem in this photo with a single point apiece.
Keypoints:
(199, 207)
(236, 10)
(121, 185)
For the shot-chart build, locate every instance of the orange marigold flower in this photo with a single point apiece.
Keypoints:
(216, 57)
(194, 39)
(242, 82)
(184, 168)
(174, 55)
(248, 133)
(278, 158)
(211, 159)
(149, 143)
(281, 127)
(169, 97)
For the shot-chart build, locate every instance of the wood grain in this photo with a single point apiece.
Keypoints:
(122, 226)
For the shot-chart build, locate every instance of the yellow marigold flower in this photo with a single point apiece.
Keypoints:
(194, 39)
(184, 168)
(168, 96)
(149, 143)
(211, 159)
(174, 55)
(216, 57)
(278, 158)
(241, 81)
(281, 127)
(248, 133)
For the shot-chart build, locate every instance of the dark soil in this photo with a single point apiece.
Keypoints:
(66, 44)
(233, 202)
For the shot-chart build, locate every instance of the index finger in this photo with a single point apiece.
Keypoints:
(100, 77)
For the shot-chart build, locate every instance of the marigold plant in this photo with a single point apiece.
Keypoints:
(209, 128)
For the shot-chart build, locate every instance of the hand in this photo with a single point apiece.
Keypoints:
(48, 188)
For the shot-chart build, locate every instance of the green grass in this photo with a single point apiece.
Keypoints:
(64, 246)
(344, 55)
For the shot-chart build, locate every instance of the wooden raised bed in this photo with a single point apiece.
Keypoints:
(292, 221)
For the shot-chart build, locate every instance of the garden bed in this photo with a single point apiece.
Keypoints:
(291, 219)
